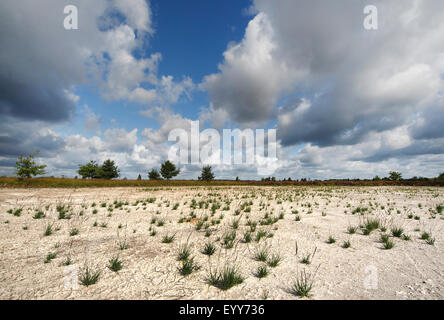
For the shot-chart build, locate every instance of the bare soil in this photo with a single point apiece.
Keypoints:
(412, 269)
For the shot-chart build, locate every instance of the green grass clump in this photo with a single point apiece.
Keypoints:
(346, 244)
(352, 229)
(229, 239)
(331, 240)
(48, 230)
(115, 264)
(261, 255)
(184, 253)
(406, 237)
(39, 214)
(388, 244)
(168, 239)
(209, 249)
(274, 260)
(370, 225)
(261, 272)
(188, 266)
(397, 231)
(225, 279)
(303, 285)
(50, 256)
(89, 277)
(425, 235)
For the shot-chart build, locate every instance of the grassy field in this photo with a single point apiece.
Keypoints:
(9, 182)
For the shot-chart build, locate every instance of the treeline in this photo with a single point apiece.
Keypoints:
(26, 167)
(108, 170)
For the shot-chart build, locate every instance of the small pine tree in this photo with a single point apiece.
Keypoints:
(26, 166)
(237, 178)
(154, 175)
(168, 170)
(395, 176)
(207, 174)
(109, 170)
(139, 177)
(90, 170)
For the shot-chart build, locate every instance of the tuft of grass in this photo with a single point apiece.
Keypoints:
(261, 272)
(352, 229)
(308, 257)
(261, 255)
(331, 240)
(397, 231)
(168, 239)
(48, 230)
(74, 232)
(430, 241)
(384, 237)
(406, 237)
(303, 284)
(50, 256)
(209, 249)
(425, 235)
(39, 214)
(115, 264)
(225, 279)
(261, 234)
(235, 223)
(247, 237)
(184, 252)
(89, 277)
(346, 244)
(388, 244)
(67, 261)
(229, 239)
(370, 225)
(188, 266)
(274, 261)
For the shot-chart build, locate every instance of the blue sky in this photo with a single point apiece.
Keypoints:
(345, 101)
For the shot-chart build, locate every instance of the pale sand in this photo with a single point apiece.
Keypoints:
(411, 270)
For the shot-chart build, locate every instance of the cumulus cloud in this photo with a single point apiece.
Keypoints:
(250, 79)
(42, 64)
(329, 83)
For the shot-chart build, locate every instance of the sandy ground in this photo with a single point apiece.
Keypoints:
(412, 269)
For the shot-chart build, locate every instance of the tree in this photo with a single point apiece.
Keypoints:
(206, 174)
(154, 175)
(139, 177)
(237, 178)
(168, 170)
(395, 176)
(90, 170)
(441, 177)
(26, 166)
(376, 178)
(109, 170)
